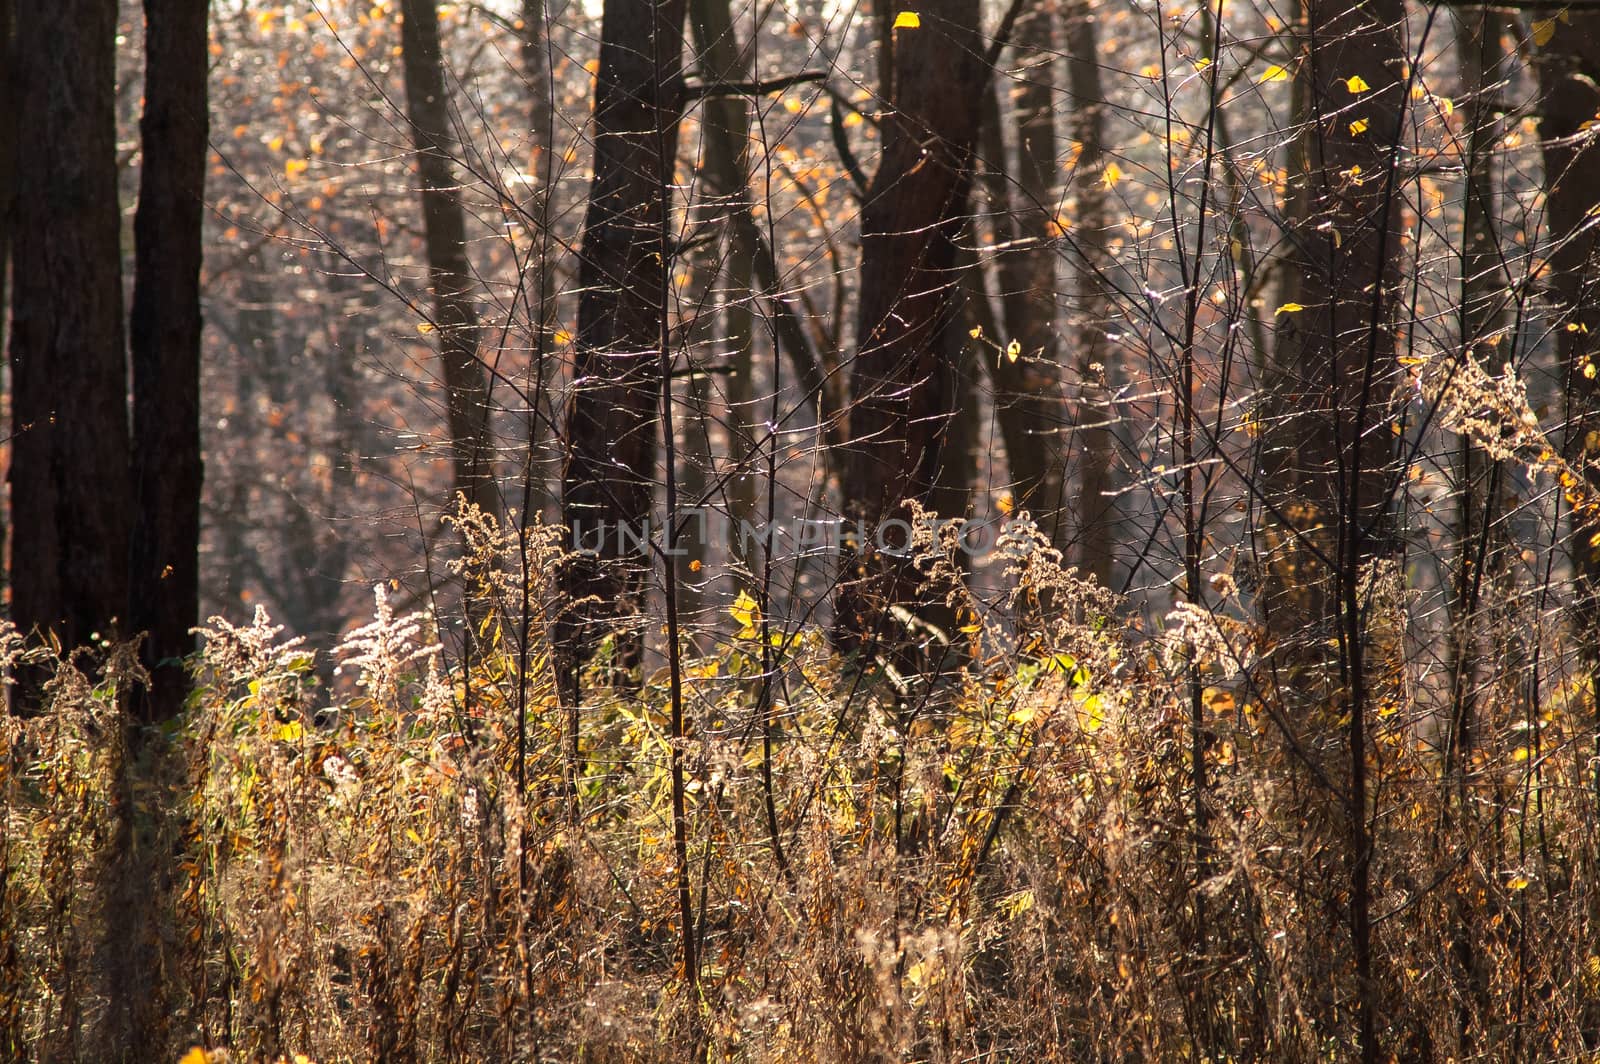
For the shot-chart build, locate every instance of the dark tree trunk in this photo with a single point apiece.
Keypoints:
(8, 154)
(164, 342)
(449, 272)
(726, 168)
(1569, 82)
(1029, 403)
(1334, 362)
(1097, 477)
(902, 384)
(614, 410)
(536, 70)
(8, 169)
(70, 495)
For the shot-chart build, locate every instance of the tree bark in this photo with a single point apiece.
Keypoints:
(70, 496)
(1334, 362)
(8, 155)
(613, 413)
(8, 169)
(1569, 81)
(164, 342)
(902, 397)
(1030, 405)
(449, 272)
(1097, 513)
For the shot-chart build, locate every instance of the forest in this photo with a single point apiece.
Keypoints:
(707, 530)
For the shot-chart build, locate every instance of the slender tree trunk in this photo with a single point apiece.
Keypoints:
(1482, 280)
(1030, 408)
(543, 307)
(70, 497)
(449, 272)
(1097, 481)
(614, 410)
(164, 342)
(901, 385)
(536, 71)
(726, 171)
(1030, 404)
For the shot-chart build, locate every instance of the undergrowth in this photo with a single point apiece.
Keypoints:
(1007, 860)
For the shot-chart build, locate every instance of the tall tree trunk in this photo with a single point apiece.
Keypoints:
(902, 385)
(449, 272)
(1097, 485)
(1569, 81)
(726, 170)
(164, 342)
(536, 71)
(613, 412)
(1335, 358)
(70, 497)
(543, 308)
(8, 155)
(1030, 405)
(8, 170)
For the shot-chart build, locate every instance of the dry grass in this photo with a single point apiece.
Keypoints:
(1003, 864)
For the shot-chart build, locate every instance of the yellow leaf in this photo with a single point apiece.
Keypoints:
(1358, 127)
(424, 327)
(1273, 73)
(1446, 104)
(1588, 371)
(194, 1056)
(745, 610)
(1066, 663)
(1202, 63)
(852, 120)
(1357, 84)
(275, 144)
(1013, 351)
(290, 732)
(294, 167)
(1113, 174)
(907, 20)
(976, 332)
(413, 836)
(1092, 713)
(1519, 883)
(1544, 31)
(1290, 308)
